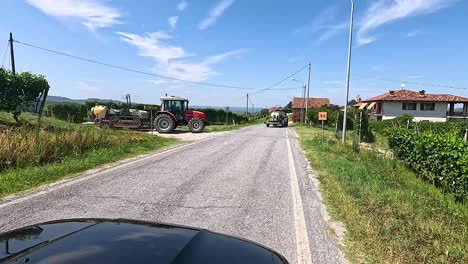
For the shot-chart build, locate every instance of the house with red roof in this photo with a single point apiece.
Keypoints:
(298, 103)
(423, 106)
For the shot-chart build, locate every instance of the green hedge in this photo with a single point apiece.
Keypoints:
(332, 113)
(441, 159)
(218, 116)
(70, 112)
(114, 105)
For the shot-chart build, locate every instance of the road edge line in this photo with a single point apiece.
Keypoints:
(302, 239)
(87, 175)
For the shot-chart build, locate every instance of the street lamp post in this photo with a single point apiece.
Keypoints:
(303, 98)
(343, 135)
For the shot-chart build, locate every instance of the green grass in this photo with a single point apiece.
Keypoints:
(23, 172)
(390, 215)
(218, 128)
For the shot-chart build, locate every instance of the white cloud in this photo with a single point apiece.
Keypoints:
(172, 60)
(157, 82)
(182, 6)
(325, 25)
(173, 21)
(215, 13)
(386, 11)
(413, 33)
(220, 57)
(91, 13)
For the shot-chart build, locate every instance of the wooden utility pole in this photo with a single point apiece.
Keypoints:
(12, 53)
(247, 106)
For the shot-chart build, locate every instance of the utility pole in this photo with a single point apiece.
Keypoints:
(343, 135)
(12, 53)
(247, 106)
(302, 106)
(308, 89)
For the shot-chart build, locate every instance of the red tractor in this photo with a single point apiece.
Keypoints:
(174, 112)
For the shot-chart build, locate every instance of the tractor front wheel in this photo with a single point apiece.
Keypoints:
(196, 125)
(164, 123)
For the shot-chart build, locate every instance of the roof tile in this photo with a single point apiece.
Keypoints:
(407, 95)
(312, 102)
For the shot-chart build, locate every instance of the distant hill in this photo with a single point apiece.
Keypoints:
(61, 99)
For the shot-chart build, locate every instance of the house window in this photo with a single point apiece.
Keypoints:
(409, 106)
(427, 106)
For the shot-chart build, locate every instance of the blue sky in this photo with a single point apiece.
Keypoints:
(239, 43)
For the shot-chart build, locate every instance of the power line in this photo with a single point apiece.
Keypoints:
(132, 70)
(250, 99)
(415, 83)
(152, 74)
(4, 56)
(269, 88)
(284, 89)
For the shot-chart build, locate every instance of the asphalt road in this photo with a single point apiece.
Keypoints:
(252, 183)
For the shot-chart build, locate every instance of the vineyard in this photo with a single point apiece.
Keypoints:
(437, 152)
(78, 113)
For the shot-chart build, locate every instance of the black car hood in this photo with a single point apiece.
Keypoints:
(126, 241)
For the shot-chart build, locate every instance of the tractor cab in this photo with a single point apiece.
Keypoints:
(175, 112)
(175, 105)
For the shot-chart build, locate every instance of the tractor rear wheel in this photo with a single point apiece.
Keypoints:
(196, 125)
(164, 123)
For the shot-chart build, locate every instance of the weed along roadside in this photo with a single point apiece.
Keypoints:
(391, 215)
(62, 150)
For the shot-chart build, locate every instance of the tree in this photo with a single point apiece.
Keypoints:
(288, 106)
(22, 92)
(352, 102)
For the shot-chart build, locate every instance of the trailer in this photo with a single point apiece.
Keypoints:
(173, 112)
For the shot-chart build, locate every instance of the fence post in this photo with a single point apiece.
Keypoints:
(360, 126)
(336, 125)
(466, 135)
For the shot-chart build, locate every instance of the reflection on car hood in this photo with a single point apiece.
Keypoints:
(126, 241)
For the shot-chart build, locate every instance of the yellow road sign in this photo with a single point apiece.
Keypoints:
(322, 116)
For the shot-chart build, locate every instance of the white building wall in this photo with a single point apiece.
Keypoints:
(395, 109)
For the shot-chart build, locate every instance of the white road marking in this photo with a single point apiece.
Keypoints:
(302, 240)
(64, 183)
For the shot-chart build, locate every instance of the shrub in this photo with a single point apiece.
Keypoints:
(440, 159)
(22, 92)
(70, 112)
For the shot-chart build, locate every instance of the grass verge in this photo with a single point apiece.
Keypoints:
(61, 150)
(21, 179)
(390, 215)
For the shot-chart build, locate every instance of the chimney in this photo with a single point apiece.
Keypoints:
(422, 92)
(392, 92)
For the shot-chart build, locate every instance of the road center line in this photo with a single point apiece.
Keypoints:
(302, 240)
